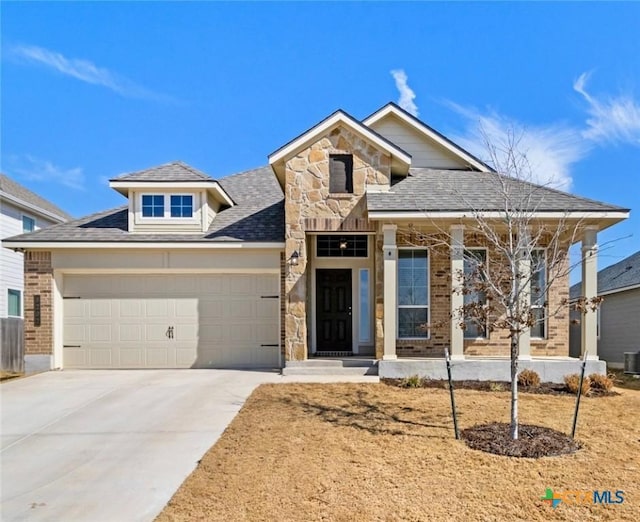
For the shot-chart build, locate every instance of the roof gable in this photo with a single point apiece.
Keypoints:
(391, 111)
(400, 159)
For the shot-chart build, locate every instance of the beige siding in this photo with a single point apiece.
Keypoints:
(424, 151)
(166, 225)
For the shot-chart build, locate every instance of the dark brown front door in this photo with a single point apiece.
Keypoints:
(333, 310)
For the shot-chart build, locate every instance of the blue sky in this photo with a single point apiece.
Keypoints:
(93, 90)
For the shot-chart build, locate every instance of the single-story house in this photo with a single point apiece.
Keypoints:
(303, 258)
(618, 315)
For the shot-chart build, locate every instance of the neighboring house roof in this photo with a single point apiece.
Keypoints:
(176, 171)
(453, 190)
(624, 275)
(399, 112)
(258, 216)
(20, 195)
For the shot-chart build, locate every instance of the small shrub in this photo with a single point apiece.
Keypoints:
(600, 382)
(528, 378)
(573, 381)
(414, 381)
(496, 386)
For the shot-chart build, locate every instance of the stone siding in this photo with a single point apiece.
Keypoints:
(38, 281)
(309, 203)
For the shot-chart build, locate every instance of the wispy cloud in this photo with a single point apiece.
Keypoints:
(551, 150)
(406, 93)
(614, 119)
(85, 71)
(36, 169)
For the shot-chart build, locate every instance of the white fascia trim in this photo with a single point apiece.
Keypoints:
(326, 125)
(32, 245)
(32, 208)
(494, 215)
(390, 109)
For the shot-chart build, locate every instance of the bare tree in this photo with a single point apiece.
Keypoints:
(528, 254)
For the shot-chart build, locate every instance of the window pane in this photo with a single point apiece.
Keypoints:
(538, 329)
(474, 261)
(152, 206)
(14, 304)
(538, 277)
(28, 224)
(365, 310)
(181, 206)
(342, 246)
(413, 278)
(412, 322)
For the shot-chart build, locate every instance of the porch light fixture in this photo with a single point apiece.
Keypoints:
(294, 259)
(343, 244)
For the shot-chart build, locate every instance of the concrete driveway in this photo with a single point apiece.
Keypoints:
(110, 445)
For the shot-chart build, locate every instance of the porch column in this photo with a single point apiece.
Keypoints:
(524, 269)
(457, 297)
(390, 253)
(590, 290)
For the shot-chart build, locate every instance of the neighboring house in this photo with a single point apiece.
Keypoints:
(21, 211)
(302, 258)
(619, 312)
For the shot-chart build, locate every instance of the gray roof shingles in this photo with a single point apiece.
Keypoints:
(169, 172)
(455, 190)
(257, 217)
(623, 274)
(13, 188)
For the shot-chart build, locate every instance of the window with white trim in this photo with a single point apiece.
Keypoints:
(538, 292)
(14, 303)
(475, 263)
(413, 293)
(28, 224)
(169, 206)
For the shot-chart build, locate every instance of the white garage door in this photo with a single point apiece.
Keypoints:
(171, 321)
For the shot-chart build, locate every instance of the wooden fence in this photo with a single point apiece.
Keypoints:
(12, 345)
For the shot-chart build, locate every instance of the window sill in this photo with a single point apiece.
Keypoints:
(340, 195)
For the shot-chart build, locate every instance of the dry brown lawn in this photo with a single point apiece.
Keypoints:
(351, 452)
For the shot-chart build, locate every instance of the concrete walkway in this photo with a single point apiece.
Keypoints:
(113, 445)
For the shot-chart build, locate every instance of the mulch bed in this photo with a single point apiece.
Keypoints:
(533, 441)
(545, 388)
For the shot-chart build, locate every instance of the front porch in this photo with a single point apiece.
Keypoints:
(550, 369)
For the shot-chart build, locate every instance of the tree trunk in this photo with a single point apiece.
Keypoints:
(514, 386)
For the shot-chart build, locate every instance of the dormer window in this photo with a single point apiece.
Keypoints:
(169, 206)
(182, 206)
(152, 205)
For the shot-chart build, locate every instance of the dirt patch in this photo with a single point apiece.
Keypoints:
(371, 452)
(532, 442)
(625, 380)
(545, 388)
(6, 376)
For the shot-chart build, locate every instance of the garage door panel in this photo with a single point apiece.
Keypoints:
(100, 333)
(218, 321)
(129, 333)
(100, 357)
